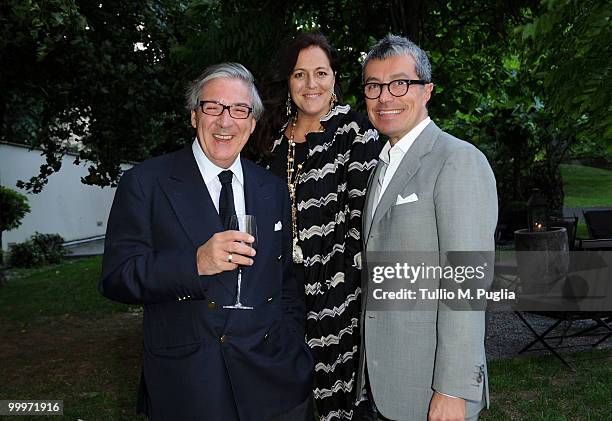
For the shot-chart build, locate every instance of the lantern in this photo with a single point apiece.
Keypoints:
(537, 212)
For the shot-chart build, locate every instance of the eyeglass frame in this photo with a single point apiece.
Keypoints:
(226, 107)
(388, 85)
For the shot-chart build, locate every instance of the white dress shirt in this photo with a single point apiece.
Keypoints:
(210, 174)
(392, 156)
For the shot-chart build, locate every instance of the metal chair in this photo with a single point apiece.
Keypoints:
(547, 336)
(599, 224)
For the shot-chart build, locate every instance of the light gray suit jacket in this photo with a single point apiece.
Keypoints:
(410, 354)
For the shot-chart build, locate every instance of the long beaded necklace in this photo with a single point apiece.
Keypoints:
(292, 181)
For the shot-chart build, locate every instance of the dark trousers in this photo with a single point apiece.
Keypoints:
(366, 410)
(302, 412)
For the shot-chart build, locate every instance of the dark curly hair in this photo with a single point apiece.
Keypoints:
(275, 87)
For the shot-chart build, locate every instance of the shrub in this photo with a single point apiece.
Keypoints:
(40, 249)
(25, 255)
(51, 246)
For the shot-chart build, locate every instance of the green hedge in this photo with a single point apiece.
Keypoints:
(39, 250)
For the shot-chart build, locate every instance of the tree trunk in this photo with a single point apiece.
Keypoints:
(1, 253)
(407, 18)
(2, 268)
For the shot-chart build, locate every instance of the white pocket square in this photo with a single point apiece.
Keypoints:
(411, 198)
(278, 226)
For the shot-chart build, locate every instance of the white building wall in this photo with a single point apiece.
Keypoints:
(65, 206)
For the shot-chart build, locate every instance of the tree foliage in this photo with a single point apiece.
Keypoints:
(522, 79)
(570, 48)
(13, 207)
(72, 71)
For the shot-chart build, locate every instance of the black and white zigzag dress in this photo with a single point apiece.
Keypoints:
(330, 197)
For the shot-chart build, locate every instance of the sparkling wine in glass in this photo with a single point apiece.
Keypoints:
(248, 224)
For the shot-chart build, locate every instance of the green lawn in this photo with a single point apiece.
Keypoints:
(586, 186)
(540, 388)
(69, 288)
(62, 340)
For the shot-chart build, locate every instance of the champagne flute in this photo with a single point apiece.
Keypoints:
(248, 224)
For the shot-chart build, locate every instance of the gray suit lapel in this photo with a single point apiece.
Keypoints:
(369, 201)
(407, 169)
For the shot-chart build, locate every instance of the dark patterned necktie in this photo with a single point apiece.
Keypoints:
(226, 198)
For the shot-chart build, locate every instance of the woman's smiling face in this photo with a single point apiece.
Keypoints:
(311, 83)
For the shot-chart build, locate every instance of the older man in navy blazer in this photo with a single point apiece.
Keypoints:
(167, 248)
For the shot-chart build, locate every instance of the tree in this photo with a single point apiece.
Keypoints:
(569, 46)
(96, 72)
(526, 99)
(35, 95)
(13, 207)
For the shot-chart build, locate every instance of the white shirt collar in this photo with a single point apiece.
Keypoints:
(209, 170)
(404, 144)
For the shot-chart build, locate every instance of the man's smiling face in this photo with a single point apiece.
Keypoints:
(223, 137)
(391, 115)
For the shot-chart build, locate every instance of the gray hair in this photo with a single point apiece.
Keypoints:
(394, 45)
(227, 71)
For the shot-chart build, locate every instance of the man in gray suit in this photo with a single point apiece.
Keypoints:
(431, 192)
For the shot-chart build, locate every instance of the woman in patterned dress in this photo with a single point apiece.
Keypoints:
(326, 152)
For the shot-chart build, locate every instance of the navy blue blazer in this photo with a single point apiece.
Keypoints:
(200, 361)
